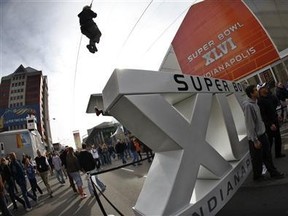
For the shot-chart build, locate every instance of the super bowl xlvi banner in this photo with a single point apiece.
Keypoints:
(222, 39)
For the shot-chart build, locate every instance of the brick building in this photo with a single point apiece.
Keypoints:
(21, 93)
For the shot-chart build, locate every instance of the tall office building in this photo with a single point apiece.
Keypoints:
(21, 93)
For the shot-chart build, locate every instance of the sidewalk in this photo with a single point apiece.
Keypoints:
(267, 198)
(123, 188)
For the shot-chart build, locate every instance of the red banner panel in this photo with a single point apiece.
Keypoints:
(222, 39)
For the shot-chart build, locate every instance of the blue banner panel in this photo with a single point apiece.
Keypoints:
(17, 116)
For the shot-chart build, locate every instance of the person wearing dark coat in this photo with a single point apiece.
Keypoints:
(3, 203)
(19, 176)
(7, 178)
(282, 95)
(120, 149)
(89, 28)
(88, 165)
(268, 103)
(63, 156)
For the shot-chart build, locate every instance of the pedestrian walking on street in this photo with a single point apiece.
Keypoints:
(120, 148)
(88, 165)
(43, 168)
(9, 181)
(31, 175)
(138, 147)
(3, 203)
(135, 155)
(73, 168)
(57, 163)
(19, 175)
(63, 156)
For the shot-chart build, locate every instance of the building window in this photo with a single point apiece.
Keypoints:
(266, 76)
(280, 73)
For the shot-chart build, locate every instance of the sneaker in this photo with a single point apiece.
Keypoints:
(28, 209)
(94, 48)
(277, 175)
(97, 111)
(90, 48)
(83, 196)
(280, 156)
(103, 189)
(259, 178)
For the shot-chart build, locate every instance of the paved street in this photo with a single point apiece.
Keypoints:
(268, 198)
(123, 188)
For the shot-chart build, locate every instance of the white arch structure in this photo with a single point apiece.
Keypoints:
(195, 126)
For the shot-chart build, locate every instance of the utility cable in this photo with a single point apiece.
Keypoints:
(167, 28)
(130, 33)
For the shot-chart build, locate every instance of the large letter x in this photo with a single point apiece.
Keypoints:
(180, 146)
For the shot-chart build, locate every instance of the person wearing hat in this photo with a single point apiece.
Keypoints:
(268, 104)
(259, 145)
(282, 95)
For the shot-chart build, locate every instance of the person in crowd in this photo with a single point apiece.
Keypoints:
(120, 148)
(3, 204)
(49, 159)
(138, 147)
(57, 164)
(105, 153)
(19, 175)
(73, 168)
(88, 165)
(24, 156)
(268, 104)
(259, 145)
(9, 181)
(31, 175)
(282, 95)
(148, 151)
(111, 150)
(63, 156)
(95, 155)
(43, 168)
(134, 153)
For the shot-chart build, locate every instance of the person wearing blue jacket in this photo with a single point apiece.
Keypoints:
(19, 176)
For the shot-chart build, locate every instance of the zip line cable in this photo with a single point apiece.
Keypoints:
(130, 33)
(74, 79)
(91, 3)
(167, 28)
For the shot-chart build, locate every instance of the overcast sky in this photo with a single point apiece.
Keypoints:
(45, 35)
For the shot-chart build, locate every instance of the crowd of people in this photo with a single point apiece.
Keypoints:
(66, 164)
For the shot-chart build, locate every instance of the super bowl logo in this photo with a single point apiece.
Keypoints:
(196, 127)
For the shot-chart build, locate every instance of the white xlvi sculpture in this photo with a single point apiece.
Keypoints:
(195, 125)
